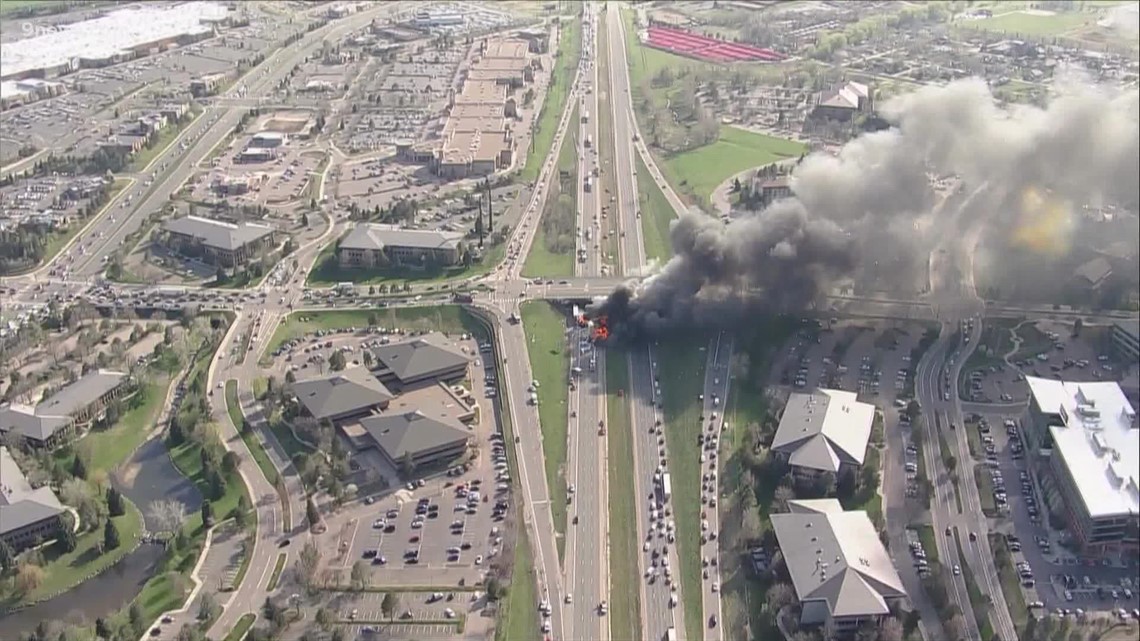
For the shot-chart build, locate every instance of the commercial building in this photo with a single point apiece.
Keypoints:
(424, 359)
(57, 419)
(267, 139)
(842, 574)
(1088, 446)
(824, 431)
(113, 37)
(346, 395)
(256, 155)
(414, 435)
(371, 245)
(28, 516)
(207, 85)
(1126, 340)
(14, 93)
(216, 242)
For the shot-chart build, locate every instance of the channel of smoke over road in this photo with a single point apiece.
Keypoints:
(1083, 147)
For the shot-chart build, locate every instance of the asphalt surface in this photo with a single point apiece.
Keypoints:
(717, 371)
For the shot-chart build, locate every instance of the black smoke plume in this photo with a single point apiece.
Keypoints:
(1084, 146)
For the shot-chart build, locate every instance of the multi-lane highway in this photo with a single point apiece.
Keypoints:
(717, 371)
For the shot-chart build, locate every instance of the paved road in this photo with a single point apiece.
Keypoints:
(717, 371)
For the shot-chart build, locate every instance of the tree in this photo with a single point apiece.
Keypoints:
(135, 616)
(207, 513)
(110, 535)
(1078, 325)
(167, 514)
(337, 361)
(359, 576)
(102, 630)
(324, 618)
(389, 605)
(307, 562)
(311, 512)
(208, 607)
(7, 558)
(115, 505)
(956, 627)
(29, 577)
(407, 466)
(890, 630)
(779, 595)
(230, 462)
(78, 467)
(66, 537)
(782, 495)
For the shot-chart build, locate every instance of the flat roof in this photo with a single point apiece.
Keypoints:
(824, 429)
(218, 234)
(477, 91)
(837, 557)
(510, 48)
(1099, 442)
(109, 35)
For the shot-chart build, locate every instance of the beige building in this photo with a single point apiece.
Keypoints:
(216, 242)
(372, 245)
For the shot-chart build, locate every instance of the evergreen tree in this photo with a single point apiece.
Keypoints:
(311, 512)
(7, 558)
(78, 468)
(110, 535)
(67, 536)
(207, 513)
(115, 505)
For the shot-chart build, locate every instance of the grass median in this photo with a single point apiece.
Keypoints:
(552, 252)
(547, 350)
(681, 366)
(985, 490)
(625, 576)
(562, 77)
(606, 187)
(233, 408)
(929, 544)
(520, 619)
(241, 628)
(978, 601)
(656, 215)
(278, 568)
(1010, 583)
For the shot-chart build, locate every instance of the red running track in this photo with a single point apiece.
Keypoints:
(703, 47)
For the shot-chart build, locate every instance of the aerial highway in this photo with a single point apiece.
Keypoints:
(662, 598)
(715, 405)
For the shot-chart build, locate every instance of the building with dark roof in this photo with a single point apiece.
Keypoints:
(56, 419)
(371, 245)
(345, 395)
(843, 102)
(28, 516)
(217, 242)
(420, 360)
(424, 439)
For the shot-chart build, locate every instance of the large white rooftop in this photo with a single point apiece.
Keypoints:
(824, 429)
(107, 35)
(1099, 442)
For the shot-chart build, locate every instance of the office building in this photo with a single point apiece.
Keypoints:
(424, 359)
(372, 245)
(345, 395)
(28, 516)
(216, 242)
(824, 431)
(57, 419)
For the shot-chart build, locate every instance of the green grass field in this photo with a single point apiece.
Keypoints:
(444, 318)
(569, 53)
(1010, 583)
(233, 408)
(110, 448)
(703, 169)
(681, 365)
(1027, 24)
(547, 350)
(63, 571)
(327, 271)
(278, 568)
(542, 261)
(519, 620)
(656, 215)
(608, 234)
(985, 490)
(929, 545)
(625, 578)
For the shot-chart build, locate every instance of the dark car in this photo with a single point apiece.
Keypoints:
(712, 621)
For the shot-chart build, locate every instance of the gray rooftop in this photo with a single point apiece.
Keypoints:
(824, 429)
(352, 390)
(1131, 327)
(420, 358)
(836, 556)
(20, 504)
(218, 234)
(412, 433)
(55, 412)
(375, 236)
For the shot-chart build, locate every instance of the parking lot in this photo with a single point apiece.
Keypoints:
(362, 614)
(1052, 576)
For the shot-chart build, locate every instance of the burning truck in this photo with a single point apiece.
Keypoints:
(599, 330)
